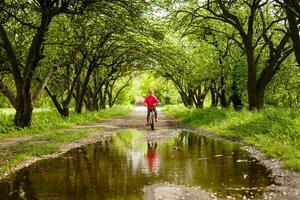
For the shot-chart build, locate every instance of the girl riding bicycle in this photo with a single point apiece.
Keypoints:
(151, 101)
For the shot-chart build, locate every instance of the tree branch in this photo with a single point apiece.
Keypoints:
(121, 89)
(43, 83)
(8, 93)
(10, 55)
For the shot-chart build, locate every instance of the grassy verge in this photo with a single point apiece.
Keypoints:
(12, 111)
(51, 120)
(52, 135)
(276, 132)
(40, 145)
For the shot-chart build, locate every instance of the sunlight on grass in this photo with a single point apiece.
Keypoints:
(51, 120)
(12, 111)
(276, 132)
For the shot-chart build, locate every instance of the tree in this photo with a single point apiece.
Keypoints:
(292, 10)
(185, 64)
(223, 47)
(256, 31)
(74, 58)
(34, 19)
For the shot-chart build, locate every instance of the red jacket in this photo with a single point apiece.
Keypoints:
(151, 101)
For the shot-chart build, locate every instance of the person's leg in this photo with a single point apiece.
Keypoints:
(148, 115)
(156, 116)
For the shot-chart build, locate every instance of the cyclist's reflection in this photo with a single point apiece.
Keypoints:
(152, 156)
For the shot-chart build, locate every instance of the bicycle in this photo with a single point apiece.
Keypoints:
(151, 118)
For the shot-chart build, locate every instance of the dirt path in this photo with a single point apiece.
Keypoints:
(135, 120)
(288, 186)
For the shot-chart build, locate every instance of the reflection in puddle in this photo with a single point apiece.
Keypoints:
(120, 166)
(152, 157)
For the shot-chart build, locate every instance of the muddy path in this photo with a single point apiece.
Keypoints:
(287, 182)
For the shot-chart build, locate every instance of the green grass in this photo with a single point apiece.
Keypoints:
(11, 111)
(31, 150)
(275, 131)
(66, 136)
(17, 154)
(50, 142)
(51, 120)
(53, 133)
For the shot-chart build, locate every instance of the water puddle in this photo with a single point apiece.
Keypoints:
(119, 167)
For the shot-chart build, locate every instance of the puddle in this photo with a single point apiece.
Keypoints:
(120, 166)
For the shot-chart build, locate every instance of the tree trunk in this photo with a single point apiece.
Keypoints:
(81, 95)
(24, 107)
(190, 98)
(223, 99)
(88, 104)
(251, 82)
(235, 97)
(56, 103)
(104, 96)
(200, 104)
(294, 31)
(260, 99)
(65, 109)
(95, 103)
(102, 103)
(102, 99)
(214, 97)
(237, 102)
(184, 98)
(89, 100)
(199, 96)
(110, 99)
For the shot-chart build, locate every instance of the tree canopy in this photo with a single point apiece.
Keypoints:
(88, 54)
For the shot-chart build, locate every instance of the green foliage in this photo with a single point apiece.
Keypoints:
(164, 90)
(124, 91)
(284, 89)
(274, 131)
(6, 123)
(233, 29)
(4, 103)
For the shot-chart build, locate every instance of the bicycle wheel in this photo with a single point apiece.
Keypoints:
(152, 120)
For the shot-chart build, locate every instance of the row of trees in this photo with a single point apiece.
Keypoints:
(72, 49)
(85, 53)
(227, 48)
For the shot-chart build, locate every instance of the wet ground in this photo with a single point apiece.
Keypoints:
(124, 165)
(149, 165)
